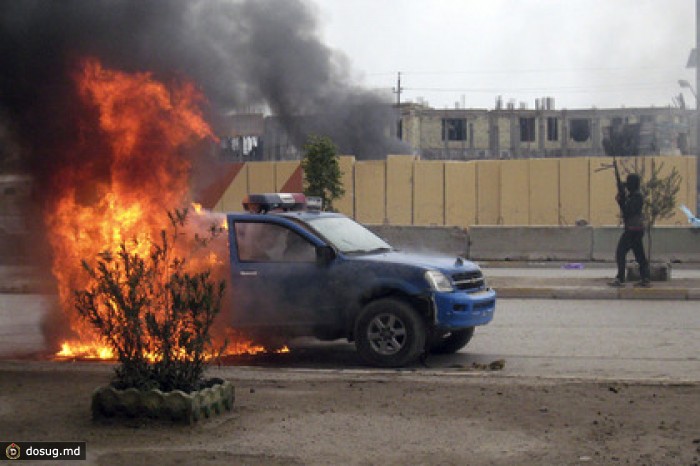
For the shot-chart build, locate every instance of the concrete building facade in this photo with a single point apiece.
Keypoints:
(496, 134)
(512, 133)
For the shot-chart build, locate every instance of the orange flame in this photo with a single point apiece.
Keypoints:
(137, 172)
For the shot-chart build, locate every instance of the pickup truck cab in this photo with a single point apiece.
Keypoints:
(310, 273)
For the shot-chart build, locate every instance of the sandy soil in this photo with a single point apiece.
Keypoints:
(368, 417)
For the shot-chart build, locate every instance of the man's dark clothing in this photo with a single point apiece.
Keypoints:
(631, 207)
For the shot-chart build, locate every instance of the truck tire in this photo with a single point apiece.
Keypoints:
(389, 333)
(451, 342)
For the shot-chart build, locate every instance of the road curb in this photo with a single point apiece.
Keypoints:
(583, 292)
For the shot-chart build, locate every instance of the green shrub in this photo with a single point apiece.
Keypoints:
(152, 311)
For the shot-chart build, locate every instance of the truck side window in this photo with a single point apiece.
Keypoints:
(266, 242)
(298, 249)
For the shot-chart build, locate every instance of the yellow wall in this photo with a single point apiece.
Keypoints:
(231, 200)
(604, 210)
(261, 177)
(460, 193)
(346, 204)
(399, 189)
(403, 190)
(573, 190)
(488, 192)
(283, 171)
(370, 191)
(429, 193)
(544, 191)
(515, 187)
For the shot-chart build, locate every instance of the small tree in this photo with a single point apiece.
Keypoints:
(660, 192)
(322, 170)
(153, 312)
(660, 195)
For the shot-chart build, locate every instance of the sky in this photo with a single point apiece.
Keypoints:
(584, 53)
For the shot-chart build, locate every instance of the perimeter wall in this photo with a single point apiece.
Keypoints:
(403, 190)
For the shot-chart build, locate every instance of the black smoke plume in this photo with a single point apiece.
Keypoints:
(241, 53)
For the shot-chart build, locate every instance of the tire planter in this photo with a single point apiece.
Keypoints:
(176, 406)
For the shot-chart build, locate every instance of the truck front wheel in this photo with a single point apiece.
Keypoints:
(389, 333)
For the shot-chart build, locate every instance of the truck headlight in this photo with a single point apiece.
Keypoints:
(438, 281)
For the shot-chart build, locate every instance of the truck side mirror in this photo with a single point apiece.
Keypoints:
(324, 255)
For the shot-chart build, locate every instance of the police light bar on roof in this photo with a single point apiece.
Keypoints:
(314, 203)
(262, 203)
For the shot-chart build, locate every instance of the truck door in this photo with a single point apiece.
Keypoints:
(276, 279)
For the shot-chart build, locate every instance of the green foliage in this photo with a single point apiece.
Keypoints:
(153, 312)
(660, 191)
(322, 170)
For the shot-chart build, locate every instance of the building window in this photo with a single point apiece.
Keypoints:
(454, 129)
(580, 130)
(527, 129)
(552, 129)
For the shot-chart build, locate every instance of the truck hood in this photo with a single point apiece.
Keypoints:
(445, 264)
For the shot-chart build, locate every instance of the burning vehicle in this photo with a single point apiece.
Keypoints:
(304, 272)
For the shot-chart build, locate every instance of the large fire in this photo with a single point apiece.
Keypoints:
(137, 132)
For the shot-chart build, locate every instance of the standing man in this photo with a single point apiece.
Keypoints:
(631, 204)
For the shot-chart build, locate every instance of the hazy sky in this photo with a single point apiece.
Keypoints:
(584, 53)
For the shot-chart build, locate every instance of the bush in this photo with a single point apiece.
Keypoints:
(322, 170)
(152, 311)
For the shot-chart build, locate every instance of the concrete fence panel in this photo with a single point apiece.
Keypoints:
(674, 244)
(231, 200)
(346, 204)
(530, 243)
(604, 209)
(460, 193)
(261, 177)
(288, 177)
(515, 192)
(429, 193)
(488, 192)
(370, 191)
(399, 189)
(544, 191)
(425, 239)
(574, 184)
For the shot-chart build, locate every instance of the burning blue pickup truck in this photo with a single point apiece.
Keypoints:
(303, 272)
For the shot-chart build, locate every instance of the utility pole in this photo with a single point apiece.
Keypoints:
(397, 91)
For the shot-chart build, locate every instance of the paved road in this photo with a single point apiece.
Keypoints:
(21, 316)
(617, 339)
(599, 271)
(609, 338)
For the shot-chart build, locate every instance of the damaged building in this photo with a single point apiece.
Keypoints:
(505, 132)
(510, 132)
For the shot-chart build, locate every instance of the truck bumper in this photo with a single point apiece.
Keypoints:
(461, 310)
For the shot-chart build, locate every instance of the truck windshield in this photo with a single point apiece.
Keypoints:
(349, 236)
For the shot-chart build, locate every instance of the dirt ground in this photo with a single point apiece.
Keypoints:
(358, 416)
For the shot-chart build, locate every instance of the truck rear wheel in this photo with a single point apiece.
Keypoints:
(451, 342)
(389, 333)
